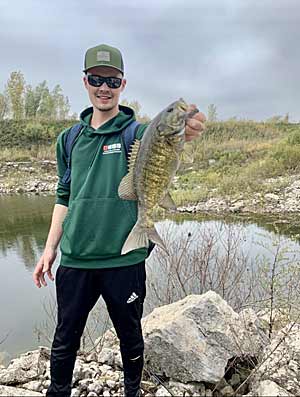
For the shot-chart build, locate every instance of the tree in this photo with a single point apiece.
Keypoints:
(16, 91)
(3, 106)
(212, 112)
(286, 118)
(61, 103)
(274, 119)
(46, 105)
(136, 107)
(31, 102)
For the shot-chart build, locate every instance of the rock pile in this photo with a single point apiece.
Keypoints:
(198, 346)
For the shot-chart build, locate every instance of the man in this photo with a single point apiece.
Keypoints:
(92, 223)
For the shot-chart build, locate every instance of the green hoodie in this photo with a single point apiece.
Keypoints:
(98, 221)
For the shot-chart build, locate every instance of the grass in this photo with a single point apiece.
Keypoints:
(231, 159)
(234, 167)
(36, 152)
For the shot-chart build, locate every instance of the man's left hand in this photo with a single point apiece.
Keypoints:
(195, 125)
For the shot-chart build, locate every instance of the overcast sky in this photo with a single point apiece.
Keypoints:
(241, 55)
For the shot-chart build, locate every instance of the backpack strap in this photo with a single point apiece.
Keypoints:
(69, 141)
(129, 135)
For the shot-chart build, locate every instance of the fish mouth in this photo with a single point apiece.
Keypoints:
(182, 105)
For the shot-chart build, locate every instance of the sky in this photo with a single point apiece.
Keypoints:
(243, 56)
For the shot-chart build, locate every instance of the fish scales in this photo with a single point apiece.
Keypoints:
(153, 164)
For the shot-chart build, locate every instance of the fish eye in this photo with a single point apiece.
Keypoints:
(170, 110)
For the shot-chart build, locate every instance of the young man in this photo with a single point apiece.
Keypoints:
(92, 223)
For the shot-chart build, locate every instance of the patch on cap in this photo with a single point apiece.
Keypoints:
(103, 56)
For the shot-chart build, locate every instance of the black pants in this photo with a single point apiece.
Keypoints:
(123, 290)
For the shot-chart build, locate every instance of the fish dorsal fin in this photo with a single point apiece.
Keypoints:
(126, 188)
(134, 149)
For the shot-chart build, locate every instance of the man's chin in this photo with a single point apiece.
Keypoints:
(104, 108)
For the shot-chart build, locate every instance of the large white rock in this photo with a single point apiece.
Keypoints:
(10, 391)
(281, 361)
(193, 339)
(29, 366)
(267, 388)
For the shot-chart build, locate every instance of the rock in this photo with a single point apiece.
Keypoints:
(267, 388)
(118, 360)
(227, 391)
(235, 380)
(106, 393)
(106, 356)
(280, 318)
(46, 383)
(221, 384)
(35, 385)
(107, 340)
(96, 386)
(185, 389)
(281, 362)
(111, 383)
(237, 207)
(75, 393)
(27, 367)
(9, 391)
(91, 357)
(162, 392)
(272, 197)
(216, 334)
(77, 373)
(92, 394)
(104, 368)
(148, 386)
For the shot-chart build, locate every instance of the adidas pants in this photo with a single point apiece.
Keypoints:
(123, 290)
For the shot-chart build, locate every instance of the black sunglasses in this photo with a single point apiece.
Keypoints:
(97, 81)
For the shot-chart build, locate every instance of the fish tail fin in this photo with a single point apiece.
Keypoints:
(139, 237)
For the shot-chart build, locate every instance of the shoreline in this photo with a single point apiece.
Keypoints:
(39, 178)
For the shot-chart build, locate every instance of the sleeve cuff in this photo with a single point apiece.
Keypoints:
(62, 201)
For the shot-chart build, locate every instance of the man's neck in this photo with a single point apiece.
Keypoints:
(100, 117)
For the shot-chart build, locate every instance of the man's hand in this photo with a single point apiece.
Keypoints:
(44, 266)
(194, 125)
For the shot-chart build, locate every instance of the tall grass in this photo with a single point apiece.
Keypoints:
(35, 152)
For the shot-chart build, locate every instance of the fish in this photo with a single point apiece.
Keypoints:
(152, 165)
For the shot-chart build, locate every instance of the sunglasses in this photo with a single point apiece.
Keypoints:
(97, 81)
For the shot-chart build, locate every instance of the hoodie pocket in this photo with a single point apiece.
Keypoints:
(97, 228)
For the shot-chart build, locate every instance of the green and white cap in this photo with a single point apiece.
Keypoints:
(103, 55)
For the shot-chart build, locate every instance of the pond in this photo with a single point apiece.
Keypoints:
(238, 245)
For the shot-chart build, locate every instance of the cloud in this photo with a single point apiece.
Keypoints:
(242, 56)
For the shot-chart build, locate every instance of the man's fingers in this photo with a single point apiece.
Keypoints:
(199, 115)
(50, 275)
(36, 280)
(42, 278)
(191, 107)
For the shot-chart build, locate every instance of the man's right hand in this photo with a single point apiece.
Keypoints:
(44, 266)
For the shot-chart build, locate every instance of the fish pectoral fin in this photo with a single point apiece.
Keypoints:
(126, 189)
(168, 203)
(156, 239)
(137, 238)
(186, 156)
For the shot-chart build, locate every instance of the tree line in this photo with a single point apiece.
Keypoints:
(22, 101)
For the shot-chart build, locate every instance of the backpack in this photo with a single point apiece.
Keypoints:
(128, 135)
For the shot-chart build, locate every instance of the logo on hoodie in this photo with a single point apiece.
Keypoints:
(114, 148)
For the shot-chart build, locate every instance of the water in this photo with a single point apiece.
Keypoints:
(24, 225)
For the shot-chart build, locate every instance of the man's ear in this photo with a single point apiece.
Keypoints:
(85, 82)
(124, 81)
